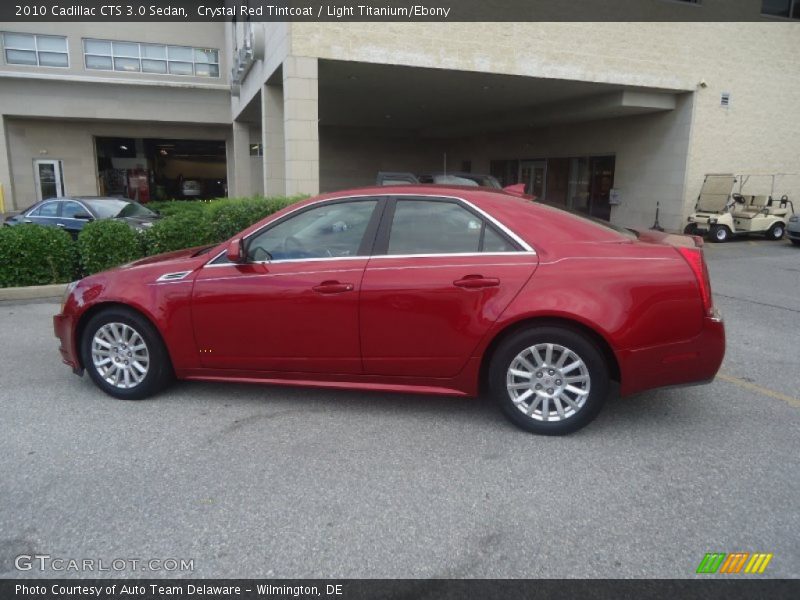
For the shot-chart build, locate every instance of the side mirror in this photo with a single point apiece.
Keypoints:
(83, 217)
(235, 252)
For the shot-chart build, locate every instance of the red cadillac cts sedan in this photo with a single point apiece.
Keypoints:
(414, 289)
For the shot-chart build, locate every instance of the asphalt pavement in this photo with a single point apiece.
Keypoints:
(264, 481)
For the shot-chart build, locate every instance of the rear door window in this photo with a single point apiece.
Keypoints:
(441, 227)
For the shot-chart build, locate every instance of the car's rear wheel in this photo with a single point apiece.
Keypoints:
(796, 242)
(549, 380)
(776, 232)
(124, 354)
(720, 233)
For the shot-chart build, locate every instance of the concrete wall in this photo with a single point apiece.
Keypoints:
(73, 143)
(352, 157)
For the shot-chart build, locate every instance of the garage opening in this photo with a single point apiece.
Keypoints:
(145, 169)
(581, 183)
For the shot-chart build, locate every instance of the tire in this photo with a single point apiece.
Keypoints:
(776, 232)
(118, 327)
(795, 242)
(690, 229)
(719, 234)
(592, 373)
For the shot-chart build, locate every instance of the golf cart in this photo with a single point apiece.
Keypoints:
(722, 213)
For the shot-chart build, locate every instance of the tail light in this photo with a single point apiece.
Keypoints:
(694, 257)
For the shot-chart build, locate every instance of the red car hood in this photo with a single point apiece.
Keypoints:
(169, 256)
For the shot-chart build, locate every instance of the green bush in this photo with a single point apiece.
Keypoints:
(229, 217)
(106, 244)
(179, 231)
(194, 223)
(35, 255)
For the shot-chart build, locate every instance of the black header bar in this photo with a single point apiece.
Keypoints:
(448, 11)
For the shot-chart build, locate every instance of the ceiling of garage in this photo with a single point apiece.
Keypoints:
(440, 102)
(453, 102)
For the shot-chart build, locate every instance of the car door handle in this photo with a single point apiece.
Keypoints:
(27, 221)
(333, 287)
(60, 225)
(474, 282)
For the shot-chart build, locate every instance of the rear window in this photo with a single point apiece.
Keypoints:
(624, 231)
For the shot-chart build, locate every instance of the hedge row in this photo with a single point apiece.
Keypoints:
(35, 255)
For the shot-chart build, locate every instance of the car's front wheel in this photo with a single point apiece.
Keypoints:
(549, 380)
(124, 354)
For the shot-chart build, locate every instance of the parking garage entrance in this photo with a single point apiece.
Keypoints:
(146, 169)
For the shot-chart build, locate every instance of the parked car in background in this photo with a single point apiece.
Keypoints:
(191, 188)
(793, 229)
(454, 178)
(410, 289)
(73, 213)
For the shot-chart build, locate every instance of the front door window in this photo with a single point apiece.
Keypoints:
(49, 179)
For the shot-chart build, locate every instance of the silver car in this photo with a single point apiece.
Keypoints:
(793, 229)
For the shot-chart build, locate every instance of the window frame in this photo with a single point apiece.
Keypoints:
(381, 248)
(377, 224)
(364, 248)
(41, 205)
(35, 49)
(140, 58)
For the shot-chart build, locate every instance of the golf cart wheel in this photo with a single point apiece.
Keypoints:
(720, 233)
(690, 229)
(776, 232)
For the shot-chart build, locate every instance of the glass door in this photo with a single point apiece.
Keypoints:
(49, 179)
(533, 173)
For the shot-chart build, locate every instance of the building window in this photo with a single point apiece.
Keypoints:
(35, 50)
(788, 9)
(160, 59)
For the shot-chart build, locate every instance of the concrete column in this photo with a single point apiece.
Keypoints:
(272, 140)
(241, 184)
(5, 169)
(301, 125)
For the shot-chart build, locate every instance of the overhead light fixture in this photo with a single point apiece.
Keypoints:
(163, 152)
(123, 147)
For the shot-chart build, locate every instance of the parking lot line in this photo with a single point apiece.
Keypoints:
(743, 383)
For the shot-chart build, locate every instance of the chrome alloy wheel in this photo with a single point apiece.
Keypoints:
(120, 355)
(548, 382)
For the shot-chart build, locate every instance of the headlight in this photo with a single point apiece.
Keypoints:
(70, 287)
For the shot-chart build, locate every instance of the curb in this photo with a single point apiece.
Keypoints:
(33, 292)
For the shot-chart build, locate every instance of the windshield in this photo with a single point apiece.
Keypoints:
(113, 207)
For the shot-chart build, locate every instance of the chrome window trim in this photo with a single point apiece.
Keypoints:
(528, 250)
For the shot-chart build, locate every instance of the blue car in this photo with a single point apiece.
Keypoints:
(73, 213)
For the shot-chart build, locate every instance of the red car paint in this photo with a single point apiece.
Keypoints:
(419, 323)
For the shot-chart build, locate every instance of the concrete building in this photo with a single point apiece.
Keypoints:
(608, 118)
